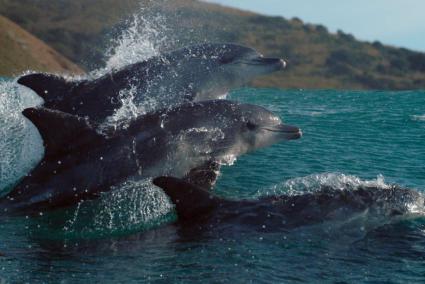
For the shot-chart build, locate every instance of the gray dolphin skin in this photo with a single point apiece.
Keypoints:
(191, 139)
(194, 73)
(199, 207)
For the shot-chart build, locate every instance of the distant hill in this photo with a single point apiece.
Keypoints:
(20, 51)
(317, 59)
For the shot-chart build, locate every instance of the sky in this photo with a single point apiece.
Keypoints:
(395, 22)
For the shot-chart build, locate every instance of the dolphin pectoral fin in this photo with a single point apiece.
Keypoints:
(191, 201)
(204, 176)
(60, 131)
(50, 87)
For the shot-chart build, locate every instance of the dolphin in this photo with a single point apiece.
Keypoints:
(194, 73)
(189, 141)
(198, 207)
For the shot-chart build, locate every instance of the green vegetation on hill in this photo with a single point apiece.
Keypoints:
(317, 59)
(20, 51)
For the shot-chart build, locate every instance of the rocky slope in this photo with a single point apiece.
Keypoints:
(20, 51)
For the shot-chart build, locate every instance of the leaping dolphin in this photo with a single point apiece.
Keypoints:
(194, 73)
(190, 140)
(198, 207)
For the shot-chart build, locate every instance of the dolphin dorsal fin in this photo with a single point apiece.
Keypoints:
(191, 201)
(48, 86)
(61, 132)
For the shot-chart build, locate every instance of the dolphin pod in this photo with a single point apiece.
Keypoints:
(185, 138)
(188, 134)
(194, 73)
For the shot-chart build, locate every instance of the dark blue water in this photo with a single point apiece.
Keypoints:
(349, 138)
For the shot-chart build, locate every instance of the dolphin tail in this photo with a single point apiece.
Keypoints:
(51, 88)
(191, 202)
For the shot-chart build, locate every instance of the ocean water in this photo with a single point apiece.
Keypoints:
(350, 137)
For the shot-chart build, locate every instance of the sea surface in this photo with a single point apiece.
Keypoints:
(350, 137)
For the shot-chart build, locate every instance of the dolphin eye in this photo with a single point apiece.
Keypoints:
(251, 126)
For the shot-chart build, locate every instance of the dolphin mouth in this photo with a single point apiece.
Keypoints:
(288, 132)
(278, 63)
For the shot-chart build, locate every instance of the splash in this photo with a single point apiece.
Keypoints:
(143, 39)
(145, 36)
(122, 116)
(21, 146)
(133, 206)
(315, 182)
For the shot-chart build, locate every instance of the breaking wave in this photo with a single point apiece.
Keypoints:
(338, 181)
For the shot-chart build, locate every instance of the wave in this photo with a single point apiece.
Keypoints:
(133, 206)
(337, 181)
(315, 182)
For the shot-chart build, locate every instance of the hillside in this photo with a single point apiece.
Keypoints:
(20, 51)
(82, 29)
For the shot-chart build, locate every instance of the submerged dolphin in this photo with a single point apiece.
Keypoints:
(190, 141)
(194, 73)
(199, 207)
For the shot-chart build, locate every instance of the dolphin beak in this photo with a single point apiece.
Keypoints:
(288, 132)
(278, 63)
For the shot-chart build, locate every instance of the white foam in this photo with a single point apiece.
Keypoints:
(315, 182)
(21, 146)
(143, 39)
(122, 117)
(130, 206)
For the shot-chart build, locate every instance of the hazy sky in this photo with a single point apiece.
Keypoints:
(395, 22)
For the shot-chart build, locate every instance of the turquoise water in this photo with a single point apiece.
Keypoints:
(349, 137)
